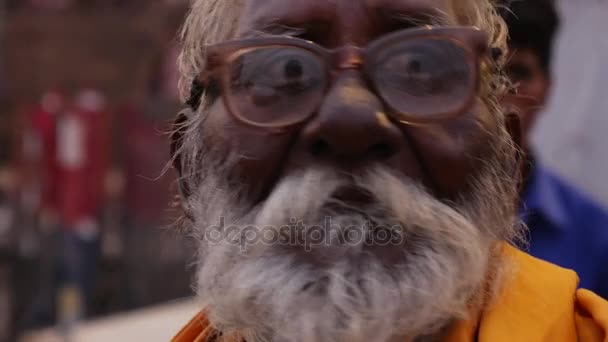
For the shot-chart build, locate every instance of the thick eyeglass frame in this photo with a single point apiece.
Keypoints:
(471, 40)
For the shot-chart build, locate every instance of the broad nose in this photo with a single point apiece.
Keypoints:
(351, 125)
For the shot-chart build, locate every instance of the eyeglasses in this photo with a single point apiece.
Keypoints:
(422, 75)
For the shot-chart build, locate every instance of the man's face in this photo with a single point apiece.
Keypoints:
(525, 71)
(390, 227)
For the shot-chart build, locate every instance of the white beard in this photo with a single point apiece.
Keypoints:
(282, 292)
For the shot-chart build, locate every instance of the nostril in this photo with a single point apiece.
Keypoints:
(381, 151)
(319, 148)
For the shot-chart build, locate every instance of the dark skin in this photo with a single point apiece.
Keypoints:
(533, 84)
(351, 130)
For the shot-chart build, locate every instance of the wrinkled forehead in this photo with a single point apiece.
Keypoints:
(261, 14)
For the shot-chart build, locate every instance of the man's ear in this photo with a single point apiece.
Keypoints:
(197, 89)
(513, 125)
(177, 139)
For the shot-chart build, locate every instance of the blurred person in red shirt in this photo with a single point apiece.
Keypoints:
(82, 140)
(35, 208)
(82, 159)
(38, 165)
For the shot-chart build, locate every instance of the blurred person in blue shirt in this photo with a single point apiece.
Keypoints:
(566, 227)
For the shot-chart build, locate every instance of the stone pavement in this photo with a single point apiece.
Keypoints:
(157, 324)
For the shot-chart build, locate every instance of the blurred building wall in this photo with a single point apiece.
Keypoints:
(572, 138)
(112, 49)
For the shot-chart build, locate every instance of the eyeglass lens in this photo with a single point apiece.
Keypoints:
(276, 85)
(423, 78)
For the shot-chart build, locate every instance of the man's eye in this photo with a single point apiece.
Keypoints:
(288, 70)
(411, 66)
(423, 73)
(266, 66)
(414, 73)
(270, 75)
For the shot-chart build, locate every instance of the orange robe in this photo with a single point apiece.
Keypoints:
(539, 303)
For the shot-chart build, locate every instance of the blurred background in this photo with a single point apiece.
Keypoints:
(87, 95)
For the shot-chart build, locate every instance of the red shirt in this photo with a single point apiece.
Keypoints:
(82, 139)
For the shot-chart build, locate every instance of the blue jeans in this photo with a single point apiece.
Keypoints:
(78, 260)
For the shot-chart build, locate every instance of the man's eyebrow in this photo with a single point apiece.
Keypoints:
(403, 16)
(274, 29)
(411, 13)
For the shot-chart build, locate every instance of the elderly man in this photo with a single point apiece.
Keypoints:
(350, 177)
